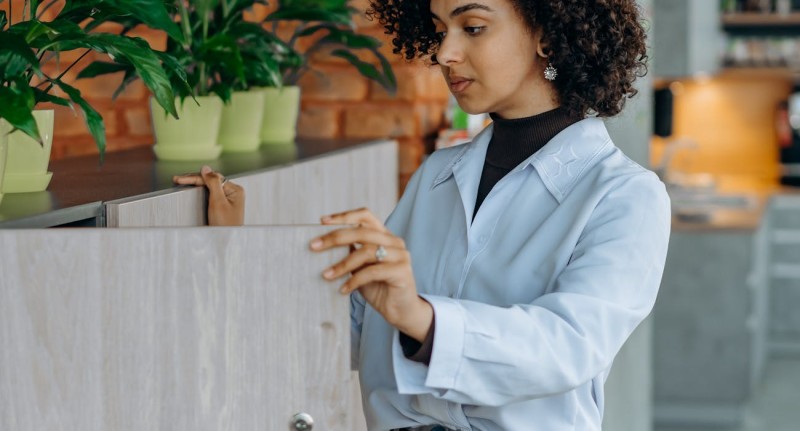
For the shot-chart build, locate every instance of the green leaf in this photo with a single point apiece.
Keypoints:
(390, 81)
(221, 52)
(38, 29)
(310, 15)
(152, 13)
(369, 71)
(137, 53)
(15, 48)
(3, 19)
(349, 39)
(93, 119)
(102, 68)
(127, 79)
(41, 96)
(34, 6)
(16, 107)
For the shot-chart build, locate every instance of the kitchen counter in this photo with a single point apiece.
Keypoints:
(80, 185)
(740, 205)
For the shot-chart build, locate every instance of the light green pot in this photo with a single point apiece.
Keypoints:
(241, 121)
(3, 150)
(281, 109)
(194, 135)
(27, 160)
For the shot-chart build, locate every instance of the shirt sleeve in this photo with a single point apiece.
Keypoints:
(494, 355)
(357, 307)
(416, 351)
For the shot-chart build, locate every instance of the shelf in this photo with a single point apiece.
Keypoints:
(761, 72)
(755, 19)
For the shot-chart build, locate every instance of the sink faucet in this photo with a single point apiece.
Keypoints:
(662, 169)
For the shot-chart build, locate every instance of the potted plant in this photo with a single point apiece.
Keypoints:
(31, 42)
(326, 24)
(243, 113)
(208, 55)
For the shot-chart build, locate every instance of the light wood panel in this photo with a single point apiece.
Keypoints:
(301, 193)
(171, 329)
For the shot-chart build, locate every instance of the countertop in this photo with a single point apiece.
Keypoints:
(80, 185)
(723, 218)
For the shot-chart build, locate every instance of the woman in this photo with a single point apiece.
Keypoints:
(514, 267)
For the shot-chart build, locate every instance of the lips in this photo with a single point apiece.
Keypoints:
(458, 83)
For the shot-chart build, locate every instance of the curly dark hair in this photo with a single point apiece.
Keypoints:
(597, 46)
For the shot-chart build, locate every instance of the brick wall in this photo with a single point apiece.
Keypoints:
(337, 102)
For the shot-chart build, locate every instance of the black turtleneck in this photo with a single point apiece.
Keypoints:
(513, 141)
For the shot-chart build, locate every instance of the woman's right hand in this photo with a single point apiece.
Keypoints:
(225, 199)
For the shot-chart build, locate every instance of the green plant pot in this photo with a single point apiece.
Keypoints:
(194, 135)
(281, 108)
(27, 160)
(4, 127)
(241, 121)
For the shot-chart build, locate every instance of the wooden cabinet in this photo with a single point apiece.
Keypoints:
(148, 327)
(172, 329)
(299, 193)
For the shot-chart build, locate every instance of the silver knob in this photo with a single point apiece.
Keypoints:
(302, 422)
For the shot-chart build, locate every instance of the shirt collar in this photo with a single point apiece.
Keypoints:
(560, 163)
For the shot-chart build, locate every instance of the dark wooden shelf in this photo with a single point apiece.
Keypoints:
(761, 72)
(755, 19)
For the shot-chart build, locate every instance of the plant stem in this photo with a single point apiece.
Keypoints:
(67, 69)
(202, 82)
(24, 9)
(44, 9)
(225, 8)
(187, 29)
(296, 35)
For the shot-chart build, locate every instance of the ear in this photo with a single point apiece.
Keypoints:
(541, 48)
(541, 45)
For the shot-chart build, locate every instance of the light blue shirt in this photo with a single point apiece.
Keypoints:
(532, 299)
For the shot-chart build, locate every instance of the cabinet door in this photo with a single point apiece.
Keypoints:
(300, 193)
(170, 329)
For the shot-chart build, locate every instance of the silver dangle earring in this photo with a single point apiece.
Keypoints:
(550, 72)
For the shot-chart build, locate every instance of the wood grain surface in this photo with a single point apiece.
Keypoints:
(170, 329)
(300, 193)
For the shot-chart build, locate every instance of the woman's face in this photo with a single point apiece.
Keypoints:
(489, 58)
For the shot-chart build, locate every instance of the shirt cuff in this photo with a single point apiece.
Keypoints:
(446, 354)
(416, 351)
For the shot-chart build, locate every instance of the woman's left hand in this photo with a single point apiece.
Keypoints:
(225, 199)
(385, 280)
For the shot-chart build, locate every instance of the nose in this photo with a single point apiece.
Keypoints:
(449, 52)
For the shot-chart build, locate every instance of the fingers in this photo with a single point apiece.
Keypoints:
(188, 180)
(213, 181)
(356, 235)
(364, 256)
(390, 273)
(360, 217)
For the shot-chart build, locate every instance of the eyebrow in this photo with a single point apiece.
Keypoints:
(464, 9)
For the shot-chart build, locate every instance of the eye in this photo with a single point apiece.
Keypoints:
(474, 31)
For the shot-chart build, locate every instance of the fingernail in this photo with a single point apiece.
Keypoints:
(316, 244)
(205, 169)
(343, 289)
(328, 273)
(326, 219)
